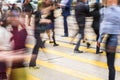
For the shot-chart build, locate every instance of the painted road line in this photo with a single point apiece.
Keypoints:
(30, 77)
(91, 50)
(92, 62)
(67, 71)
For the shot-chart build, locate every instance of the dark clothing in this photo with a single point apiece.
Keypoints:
(65, 26)
(51, 16)
(27, 8)
(35, 51)
(96, 22)
(111, 44)
(52, 24)
(66, 9)
(3, 69)
(81, 12)
(65, 13)
(39, 42)
(39, 28)
(96, 19)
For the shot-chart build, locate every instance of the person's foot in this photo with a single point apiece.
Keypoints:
(34, 67)
(56, 45)
(99, 52)
(43, 44)
(50, 41)
(78, 51)
(88, 45)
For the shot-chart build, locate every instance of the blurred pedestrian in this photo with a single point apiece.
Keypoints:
(5, 46)
(96, 22)
(28, 10)
(81, 12)
(110, 26)
(51, 26)
(40, 27)
(66, 7)
(19, 33)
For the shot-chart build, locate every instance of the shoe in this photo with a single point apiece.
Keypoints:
(88, 45)
(34, 67)
(56, 45)
(83, 41)
(50, 41)
(99, 52)
(78, 51)
(43, 44)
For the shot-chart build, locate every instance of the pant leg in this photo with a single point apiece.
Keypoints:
(35, 50)
(65, 26)
(78, 43)
(81, 32)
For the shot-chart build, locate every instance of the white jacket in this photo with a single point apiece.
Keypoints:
(5, 37)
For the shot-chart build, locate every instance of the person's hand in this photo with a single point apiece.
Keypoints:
(61, 5)
(98, 44)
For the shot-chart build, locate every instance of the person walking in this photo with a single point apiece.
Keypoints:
(66, 7)
(96, 22)
(37, 34)
(110, 26)
(81, 11)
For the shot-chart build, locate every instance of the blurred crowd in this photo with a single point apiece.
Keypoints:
(13, 33)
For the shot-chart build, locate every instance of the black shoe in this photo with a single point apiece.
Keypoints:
(51, 42)
(56, 45)
(78, 51)
(43, 44)
(99, 52)
(88, 45)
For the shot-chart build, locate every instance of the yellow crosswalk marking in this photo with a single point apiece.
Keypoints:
(93, 62)
(30, 77)
(91, 50)
(70, 72)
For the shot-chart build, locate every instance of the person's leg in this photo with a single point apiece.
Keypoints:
(53, 34)
(97, 36)
(49, 35)
(76, 49)
(3, 70)
(81, 32)
(73, 37)
(111, 45)
(35, 51)
(65, 26)
(110, 63)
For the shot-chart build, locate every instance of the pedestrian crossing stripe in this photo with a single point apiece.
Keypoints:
(58, 53)
(30, 77)
(91, 50)
(67, 71)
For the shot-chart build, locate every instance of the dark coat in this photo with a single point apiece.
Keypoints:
(81, 11)
(66, 9)
(96, 17)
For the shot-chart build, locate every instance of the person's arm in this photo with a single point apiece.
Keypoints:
(100, 39)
